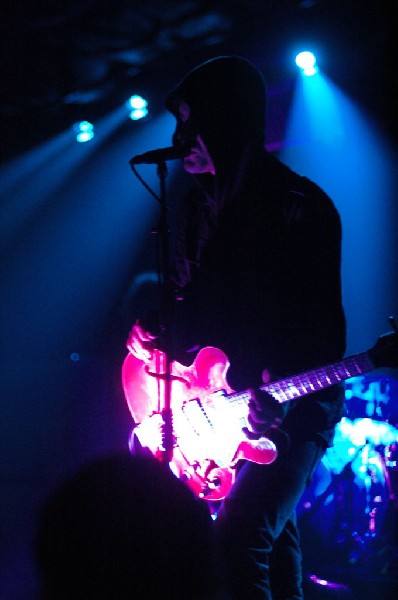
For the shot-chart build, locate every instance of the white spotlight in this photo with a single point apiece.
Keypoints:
(137, 102)
(306, 62)
(138, 113)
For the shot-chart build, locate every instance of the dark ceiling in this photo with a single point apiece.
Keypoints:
(70, 59)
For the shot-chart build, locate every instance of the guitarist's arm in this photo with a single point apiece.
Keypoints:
(150, 427)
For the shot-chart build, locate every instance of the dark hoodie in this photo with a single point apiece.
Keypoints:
(228, 101)
(257, 249)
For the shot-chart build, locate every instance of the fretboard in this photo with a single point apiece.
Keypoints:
(306, 383)
(318, 379)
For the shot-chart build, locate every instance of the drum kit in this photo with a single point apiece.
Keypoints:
(352, 501)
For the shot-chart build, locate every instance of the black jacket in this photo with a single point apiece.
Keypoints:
(258, 251)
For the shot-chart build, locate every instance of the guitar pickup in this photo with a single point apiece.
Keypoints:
(196, 415)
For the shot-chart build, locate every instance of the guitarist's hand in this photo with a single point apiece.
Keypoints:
(264, 411)
(141, 343)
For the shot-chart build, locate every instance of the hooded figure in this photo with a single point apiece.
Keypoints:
(257, 274)
(249, 236)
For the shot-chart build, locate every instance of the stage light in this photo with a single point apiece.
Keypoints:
(84, 131)
(138, 113)
(306, 62)
(137, 102)
(139, 107)
(84, 136)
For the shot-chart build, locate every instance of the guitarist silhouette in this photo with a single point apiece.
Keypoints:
(256, 285)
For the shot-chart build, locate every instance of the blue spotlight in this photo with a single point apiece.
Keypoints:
(306, 62)
(84, 131)
(139, 107)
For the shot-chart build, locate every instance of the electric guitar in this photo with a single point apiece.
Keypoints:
(208, 416)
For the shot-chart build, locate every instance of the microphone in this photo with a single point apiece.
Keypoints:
(162, 154)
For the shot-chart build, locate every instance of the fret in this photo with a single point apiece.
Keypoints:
(361, 364)
(299, 385)
(337, 373)
(316, 383)
(326, 377)
(238, 400)
(306, 384)
(323, 378)
(277, 391)
(239, 397)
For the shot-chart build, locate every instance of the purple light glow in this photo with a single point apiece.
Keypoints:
(332, 585)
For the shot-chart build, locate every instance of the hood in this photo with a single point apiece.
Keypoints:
(227, 98)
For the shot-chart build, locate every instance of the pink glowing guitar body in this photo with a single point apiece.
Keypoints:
(208, 416)
(208, 434)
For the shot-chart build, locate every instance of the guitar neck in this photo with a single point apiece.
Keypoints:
(302, 384)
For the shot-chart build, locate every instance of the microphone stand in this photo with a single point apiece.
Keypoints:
(166, 321)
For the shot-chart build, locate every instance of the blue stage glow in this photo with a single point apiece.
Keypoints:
(332, 140)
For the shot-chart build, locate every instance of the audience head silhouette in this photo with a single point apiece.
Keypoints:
(124, 527)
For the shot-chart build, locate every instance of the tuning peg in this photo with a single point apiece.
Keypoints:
(393, 323)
